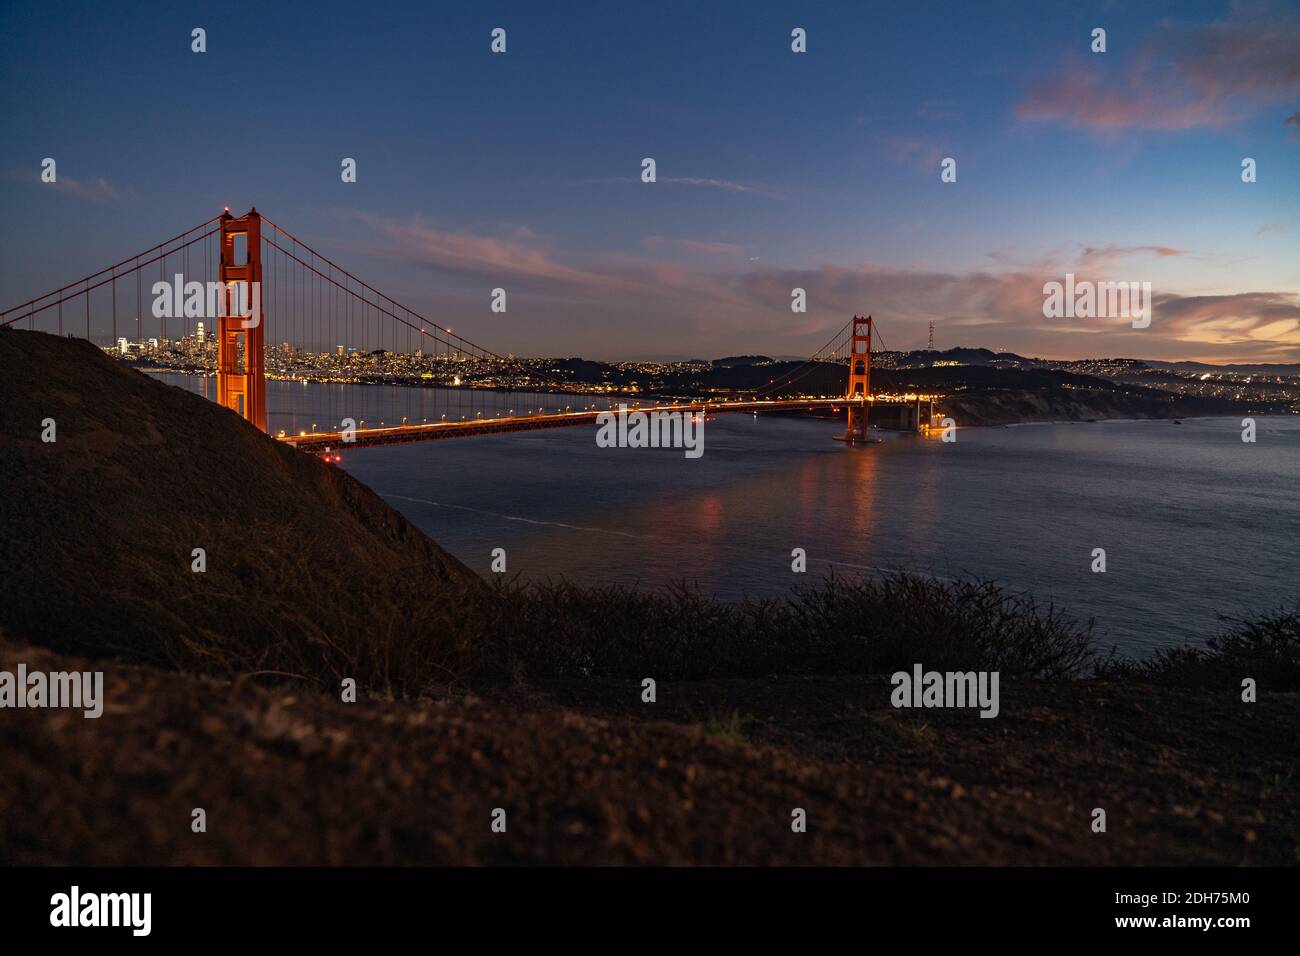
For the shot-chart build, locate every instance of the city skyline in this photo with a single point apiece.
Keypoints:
(775, 170)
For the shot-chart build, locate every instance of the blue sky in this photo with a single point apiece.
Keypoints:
(818, 170)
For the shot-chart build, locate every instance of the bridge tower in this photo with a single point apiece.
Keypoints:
(241, 379)
(858, 397)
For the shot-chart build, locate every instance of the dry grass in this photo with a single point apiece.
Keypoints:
(837, 626)
(1266, 648)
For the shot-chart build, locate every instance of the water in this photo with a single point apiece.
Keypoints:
(1194, 522)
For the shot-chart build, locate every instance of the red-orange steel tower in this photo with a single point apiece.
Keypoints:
(859, 393)
(241, 386)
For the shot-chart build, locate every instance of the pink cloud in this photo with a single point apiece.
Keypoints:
(915, 152)
(1095, 257)
(520, 256)
(1083, 100)
(1182, 78)
(707, 304)
(1246, 319)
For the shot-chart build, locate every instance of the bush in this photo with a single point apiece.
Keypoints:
(840, 626)
(1266, 648)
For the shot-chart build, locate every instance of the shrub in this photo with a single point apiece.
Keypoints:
(1266, 648)
(839, 626)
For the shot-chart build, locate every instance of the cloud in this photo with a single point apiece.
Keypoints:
(726, 185)
(915, 152)
(1272, 227)
(1245, 319)
(1181, 78)
(624, 305)
(521, 256)
(723, 184)
(1293, 121)
(97, 190)
(1095, 257)
(1082, 100)
(694, 248)
(523, 259)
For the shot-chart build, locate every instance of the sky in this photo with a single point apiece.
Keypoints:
(775, 170)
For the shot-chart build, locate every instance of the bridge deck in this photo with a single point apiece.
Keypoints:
(402, 434)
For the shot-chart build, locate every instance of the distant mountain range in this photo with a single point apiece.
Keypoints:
(967, 356)
(1285, 370)
(919, 358)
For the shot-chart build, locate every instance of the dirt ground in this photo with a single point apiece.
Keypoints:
(588, 774)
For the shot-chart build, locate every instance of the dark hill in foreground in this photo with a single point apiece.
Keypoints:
(308, 571)
(588, 774)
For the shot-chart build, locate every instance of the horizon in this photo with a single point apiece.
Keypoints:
(775, 170)
(936, 350)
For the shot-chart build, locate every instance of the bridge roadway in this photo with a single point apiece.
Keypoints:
(402, 434)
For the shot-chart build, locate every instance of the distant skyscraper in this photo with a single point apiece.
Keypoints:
(121, 345)
(199, 333)
(340, 350)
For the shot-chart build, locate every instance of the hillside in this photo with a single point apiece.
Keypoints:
(1010, 406)
(980, 387)
(588, 774)
(308, 571)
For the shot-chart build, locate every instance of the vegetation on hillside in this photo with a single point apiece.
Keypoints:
(1265, 648)
(841, 625)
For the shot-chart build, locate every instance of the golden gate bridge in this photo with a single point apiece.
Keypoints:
(269, 285)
